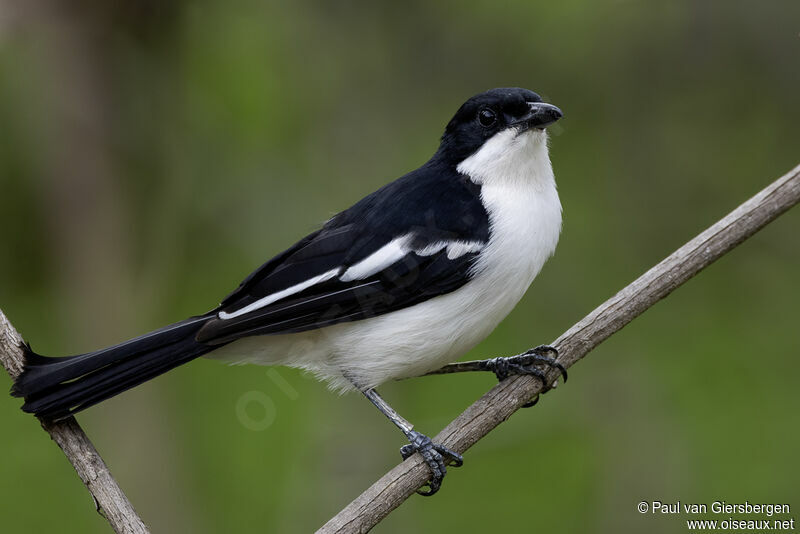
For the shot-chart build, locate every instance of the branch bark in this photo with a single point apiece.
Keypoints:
(109, 498)
(504, 399)
(486, 413)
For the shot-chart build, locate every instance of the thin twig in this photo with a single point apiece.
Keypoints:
(504, 399)
(109, 499)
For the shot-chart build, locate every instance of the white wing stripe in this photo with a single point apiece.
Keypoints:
(378, 260)
(432, 249)
(397, 249)
(456, 249)
(269, 299)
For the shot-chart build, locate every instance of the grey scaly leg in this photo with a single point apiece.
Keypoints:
(436, 456)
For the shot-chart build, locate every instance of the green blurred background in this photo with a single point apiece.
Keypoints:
(152, 155)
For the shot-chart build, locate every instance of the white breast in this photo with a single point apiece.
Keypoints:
(519, 192)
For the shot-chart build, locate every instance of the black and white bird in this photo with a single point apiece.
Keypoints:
(409, 278)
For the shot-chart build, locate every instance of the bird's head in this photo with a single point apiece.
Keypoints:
(503, 119)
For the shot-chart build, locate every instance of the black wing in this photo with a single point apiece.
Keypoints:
(369, 260)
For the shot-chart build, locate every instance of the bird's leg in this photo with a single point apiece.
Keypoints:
(535, 362)
(435, 455)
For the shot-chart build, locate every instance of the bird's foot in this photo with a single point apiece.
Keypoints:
(535, 362)
(436, 456)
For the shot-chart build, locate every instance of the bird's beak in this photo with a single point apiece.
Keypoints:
(540, 115)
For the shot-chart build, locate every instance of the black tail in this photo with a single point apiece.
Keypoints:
(55, 388)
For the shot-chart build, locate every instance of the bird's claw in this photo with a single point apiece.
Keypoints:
(435, 455)
(529, 363)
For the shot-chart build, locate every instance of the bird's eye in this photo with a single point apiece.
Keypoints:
(487, 117)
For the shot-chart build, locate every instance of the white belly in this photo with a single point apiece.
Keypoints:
(525, 221)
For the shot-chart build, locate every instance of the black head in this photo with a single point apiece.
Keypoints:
(486, 114)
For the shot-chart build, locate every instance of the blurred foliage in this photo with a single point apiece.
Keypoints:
(151, 156)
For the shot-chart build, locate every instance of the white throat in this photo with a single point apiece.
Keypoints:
(512, 158)
(519, 192)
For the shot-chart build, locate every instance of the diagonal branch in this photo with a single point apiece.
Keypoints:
(488, 411)
(504, 399)
(109, 499)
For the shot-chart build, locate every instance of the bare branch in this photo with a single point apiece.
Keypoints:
(487, 412)
(109, 499)
(504, 399)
